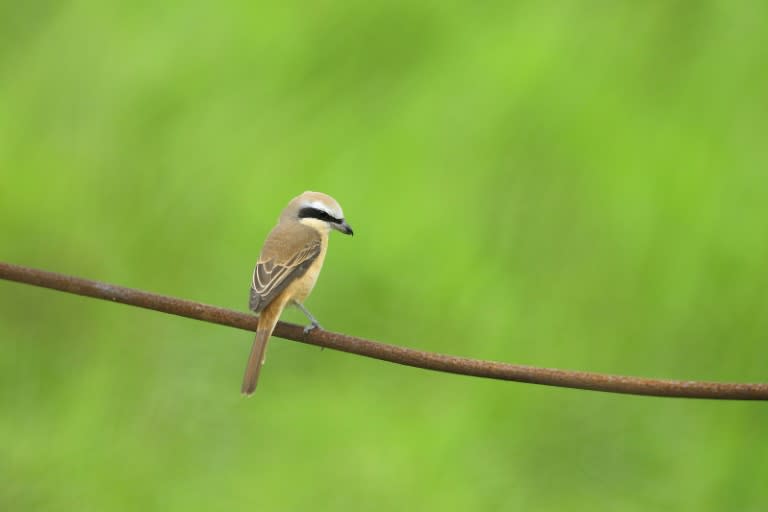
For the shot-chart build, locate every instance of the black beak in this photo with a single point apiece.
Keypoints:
(343, 227)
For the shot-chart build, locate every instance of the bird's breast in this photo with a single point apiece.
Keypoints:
(302, 287)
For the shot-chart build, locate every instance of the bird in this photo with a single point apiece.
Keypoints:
(287, 269)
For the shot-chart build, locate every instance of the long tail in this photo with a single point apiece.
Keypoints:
(267, 320)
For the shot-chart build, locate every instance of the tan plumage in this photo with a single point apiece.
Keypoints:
(288, 267)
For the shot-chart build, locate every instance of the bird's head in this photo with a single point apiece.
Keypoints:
(317, 210)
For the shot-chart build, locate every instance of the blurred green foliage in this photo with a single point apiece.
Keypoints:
(570, 184)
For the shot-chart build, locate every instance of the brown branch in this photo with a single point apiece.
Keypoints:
(391, 353)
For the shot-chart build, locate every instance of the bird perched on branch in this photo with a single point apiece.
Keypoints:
(288, 266)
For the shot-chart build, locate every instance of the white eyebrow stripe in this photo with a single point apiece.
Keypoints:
(324, 207)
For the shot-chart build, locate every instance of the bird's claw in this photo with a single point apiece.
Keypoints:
(311, 327)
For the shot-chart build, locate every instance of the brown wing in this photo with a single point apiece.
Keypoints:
(271, 275)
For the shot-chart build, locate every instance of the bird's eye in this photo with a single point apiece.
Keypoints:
(316, 213)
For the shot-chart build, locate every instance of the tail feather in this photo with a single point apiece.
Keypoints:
(267, 320)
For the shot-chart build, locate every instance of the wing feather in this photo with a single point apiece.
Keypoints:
(271, 277)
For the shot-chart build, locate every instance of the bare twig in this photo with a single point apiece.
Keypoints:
(385, 352)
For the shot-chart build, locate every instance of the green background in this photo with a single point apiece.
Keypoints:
(568, 184)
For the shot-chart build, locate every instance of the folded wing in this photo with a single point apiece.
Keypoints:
(271, 275)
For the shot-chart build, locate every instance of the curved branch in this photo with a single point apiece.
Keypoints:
(391, 353)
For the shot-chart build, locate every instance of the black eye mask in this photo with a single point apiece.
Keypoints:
(315, 213)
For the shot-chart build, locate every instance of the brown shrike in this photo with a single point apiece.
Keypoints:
(288, 266)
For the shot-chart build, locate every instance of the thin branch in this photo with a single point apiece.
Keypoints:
(391, 353)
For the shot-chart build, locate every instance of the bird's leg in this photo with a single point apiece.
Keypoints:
(313, 321)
